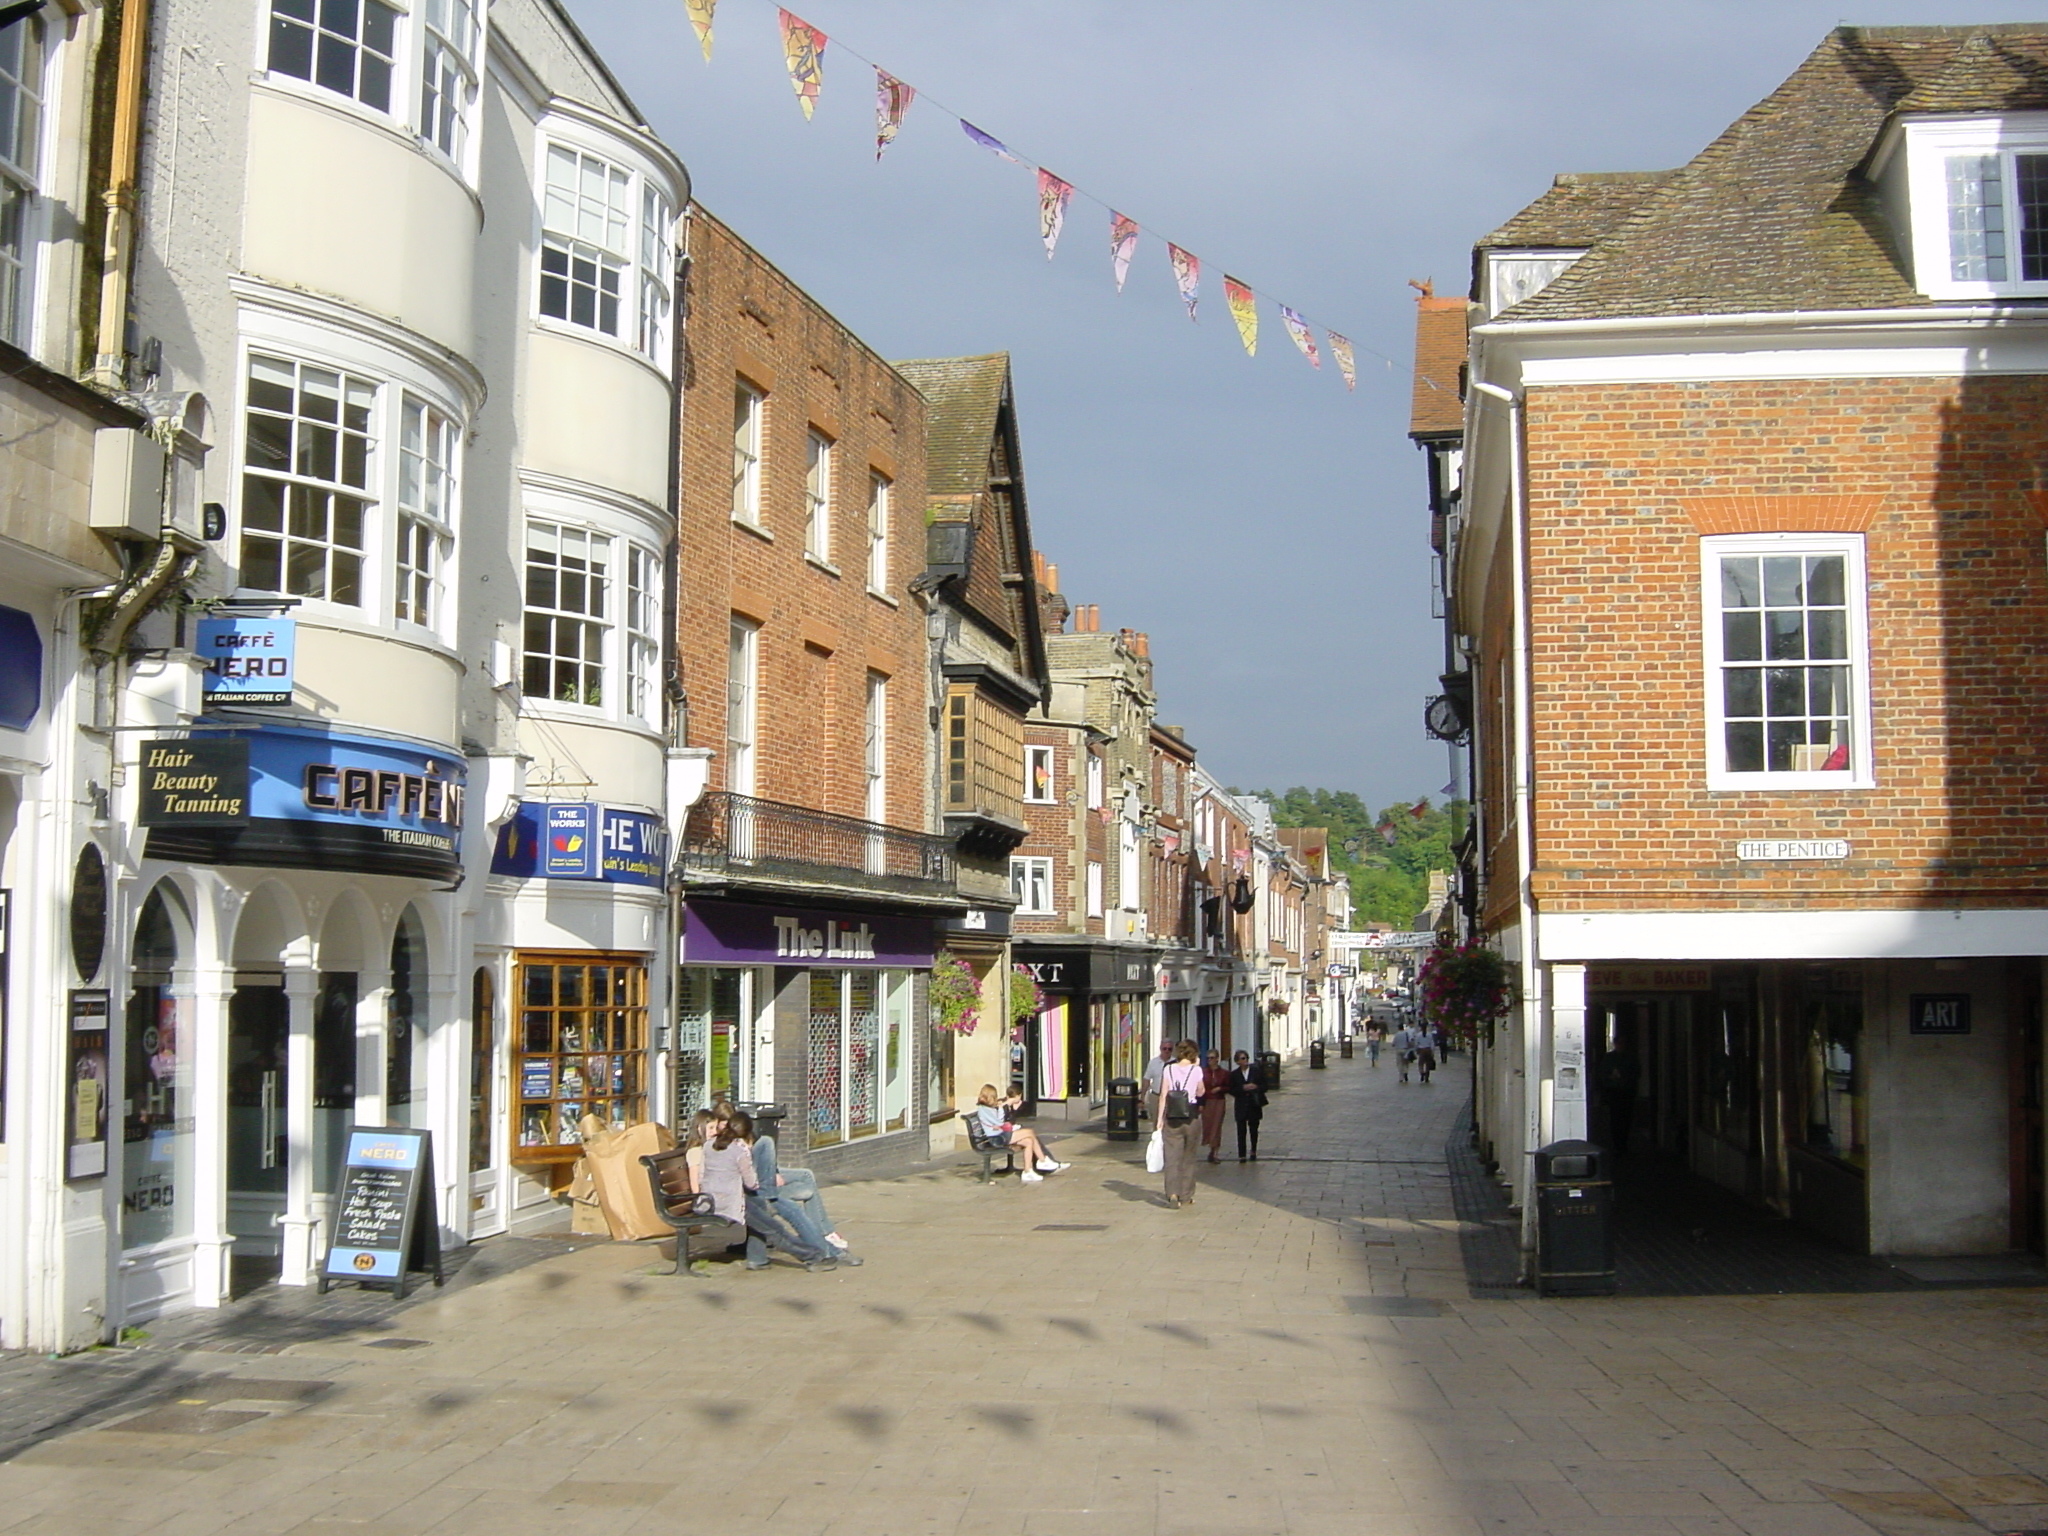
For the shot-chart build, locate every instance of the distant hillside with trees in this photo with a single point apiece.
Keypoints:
(1388, 854)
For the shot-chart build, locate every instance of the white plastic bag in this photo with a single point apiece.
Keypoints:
(1155, 1154)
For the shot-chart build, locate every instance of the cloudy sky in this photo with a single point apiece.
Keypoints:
(1265, 527)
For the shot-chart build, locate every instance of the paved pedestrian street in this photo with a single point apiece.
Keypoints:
(1303, 1351)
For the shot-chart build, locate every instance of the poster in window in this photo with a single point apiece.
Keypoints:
(86, 1084)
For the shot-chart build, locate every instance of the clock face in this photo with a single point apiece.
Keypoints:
(1443, 720)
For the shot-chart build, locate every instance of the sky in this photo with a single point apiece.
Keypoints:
(1268, 529)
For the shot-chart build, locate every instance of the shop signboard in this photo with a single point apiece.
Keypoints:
(21, 670)
(744, 933)
(248, 661)
(566, 840)
(385, 1225)
(1940, 1013)
(195, 783)
(323, 800)
(87, 1081)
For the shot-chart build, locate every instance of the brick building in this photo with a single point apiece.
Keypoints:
(1748, 581)
(813, 885)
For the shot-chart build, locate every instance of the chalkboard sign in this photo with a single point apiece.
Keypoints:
(384, 1224)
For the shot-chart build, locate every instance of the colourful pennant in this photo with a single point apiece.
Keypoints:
(992, 145)
(892, 100)
(700, 18)
(1304, 338)
(1187, 272)
(1053, 197)
(1245, 311)
(1123, 244)
(803, 46)
(1340, 349)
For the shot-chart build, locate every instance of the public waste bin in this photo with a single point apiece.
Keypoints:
(767, 1118)
(1123, 1109)
(1574, 1221)
(1269, 1068)
(1317, 1053)
(1344, 1048)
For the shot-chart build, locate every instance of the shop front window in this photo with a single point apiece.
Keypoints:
(725, 1045)
(1727, 1061)
(483, 1022)
(857, 1081)
(582, 1049)
(405, 1100)
(334, 1074)
(1834, 1069)
(156, 1165)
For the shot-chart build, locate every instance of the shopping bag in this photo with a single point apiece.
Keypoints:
(1155, 1154)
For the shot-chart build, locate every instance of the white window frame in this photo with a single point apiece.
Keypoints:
(451, 41)
(1031, 884)
(596, 551)
(645, 586)
(1861, 773)
(742, 705)
(1930, 146)
(749, 420)
(818, 455)
(879, 487)
(1096, 908)
(624, 233)
(875, 750)
(428, 446)
(291, 16)
(1050, 757)
(1095, 782)
(23, 220)
(636, 577)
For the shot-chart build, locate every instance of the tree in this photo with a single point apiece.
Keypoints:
(1388, 857)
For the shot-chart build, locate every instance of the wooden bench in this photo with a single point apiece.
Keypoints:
(990, 1147)
(668, 1176)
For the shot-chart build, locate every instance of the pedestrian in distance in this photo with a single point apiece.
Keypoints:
(1425, 1053)
(1404, 1050)
(1155, 1072)
(1179, 1123)
(1374, 1035)
(997, 1125)
(1248, 1100)
(1215, 1101)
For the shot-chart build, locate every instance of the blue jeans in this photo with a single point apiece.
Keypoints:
(797, 1200)
(766, 1229)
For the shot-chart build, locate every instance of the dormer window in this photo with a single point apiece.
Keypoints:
(1979, 199)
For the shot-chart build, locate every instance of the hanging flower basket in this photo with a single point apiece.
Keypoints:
(1027, 1000)
(1276, 1005)
(1464, 987)
(955, 995)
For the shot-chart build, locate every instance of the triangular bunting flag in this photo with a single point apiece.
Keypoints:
(892, 100)
(992, 145)
(1123, 244)
(1245, 311)
(1053, 197)
(1187, 273)
(1340, 349)
(1303, 337)
(803, 46)
(700, 18)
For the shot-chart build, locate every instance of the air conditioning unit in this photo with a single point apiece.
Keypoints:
(127, 484)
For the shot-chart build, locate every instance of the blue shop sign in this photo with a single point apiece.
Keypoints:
(248, 661)
(21, 669)
(320, 800)
(577, 840)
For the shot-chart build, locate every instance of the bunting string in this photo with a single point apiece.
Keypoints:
(804, 53)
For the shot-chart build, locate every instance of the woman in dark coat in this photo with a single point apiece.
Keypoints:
(1215, 1091)
(1248, 1094)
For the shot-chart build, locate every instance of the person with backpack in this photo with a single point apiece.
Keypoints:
(1180, 1123)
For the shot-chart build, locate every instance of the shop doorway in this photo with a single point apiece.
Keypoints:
(258, 1146)
(1084, 1026)
(487, 1073)
(2029, 1198)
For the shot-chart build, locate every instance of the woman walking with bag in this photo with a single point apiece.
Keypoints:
(1180, 1125)
(1215, 1101)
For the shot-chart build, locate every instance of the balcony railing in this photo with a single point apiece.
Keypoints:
(737, 837)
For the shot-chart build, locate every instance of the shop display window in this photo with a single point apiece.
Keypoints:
(156, 1119)
(724, 1039)
(858, 1061)
(483, 1025)
(334, 1075)
(1834, 1069)
(582, 1049)
(1727, 1063)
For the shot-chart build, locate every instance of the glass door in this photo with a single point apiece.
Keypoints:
(259, 1023)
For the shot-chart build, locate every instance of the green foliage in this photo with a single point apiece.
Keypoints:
(1389, 879)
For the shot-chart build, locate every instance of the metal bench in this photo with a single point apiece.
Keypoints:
(668, 1176)
(990, 1148)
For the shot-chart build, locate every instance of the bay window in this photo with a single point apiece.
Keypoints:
(362, 51)
(426, 456)
(349, 47)
(448, 50)
(605, 262)
(21, 154)
(592, 630)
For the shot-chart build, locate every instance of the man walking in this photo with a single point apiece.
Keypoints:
(1155, 1074)
(1404, 1049)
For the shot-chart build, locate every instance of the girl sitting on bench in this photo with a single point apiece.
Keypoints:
(994, 1113)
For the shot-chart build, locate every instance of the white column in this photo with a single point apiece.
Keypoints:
(213, 986)
(441, 1103)
(1568, 1052)
(299, 1225)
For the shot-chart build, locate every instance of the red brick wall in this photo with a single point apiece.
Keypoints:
(1053, 831)
(821, 633)
(1947, 474)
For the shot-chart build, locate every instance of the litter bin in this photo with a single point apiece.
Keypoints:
(1574, 1221)
(1344, 1048)
(1123, 1109)
(1316, 1053)
(1269, 1068)
(767, 1119)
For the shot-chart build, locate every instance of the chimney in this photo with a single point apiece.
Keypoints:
(1143, 644)
(1087, 619)
(1052, 577)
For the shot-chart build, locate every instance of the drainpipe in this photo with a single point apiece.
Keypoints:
(117, 247)
(1525, 832)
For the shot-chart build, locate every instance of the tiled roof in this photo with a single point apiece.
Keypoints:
(1437, 405)
(1775, 214)
(1579, 211)
(964, 395)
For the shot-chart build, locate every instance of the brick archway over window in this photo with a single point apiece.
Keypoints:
(1780, 514)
